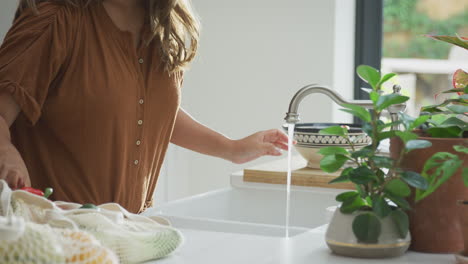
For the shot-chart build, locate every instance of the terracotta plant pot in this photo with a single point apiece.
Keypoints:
(342, 241)
(434, 224)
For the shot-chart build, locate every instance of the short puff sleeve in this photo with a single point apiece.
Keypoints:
(33, 52)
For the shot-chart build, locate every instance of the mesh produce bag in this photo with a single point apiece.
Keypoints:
(38, 243)
(133, 242)
(134, 238)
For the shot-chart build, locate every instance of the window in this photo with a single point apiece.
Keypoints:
(390, 35)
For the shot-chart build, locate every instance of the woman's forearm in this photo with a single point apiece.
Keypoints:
(9, 110)
(12, 167)
(4, 131)
(190, 134)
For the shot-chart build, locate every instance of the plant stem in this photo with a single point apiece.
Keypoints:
(392, 171)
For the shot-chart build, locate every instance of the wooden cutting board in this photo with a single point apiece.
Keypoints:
(276, 172)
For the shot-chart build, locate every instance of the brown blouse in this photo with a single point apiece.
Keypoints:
(97, 112)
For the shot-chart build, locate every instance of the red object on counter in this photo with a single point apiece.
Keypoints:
(33, 191)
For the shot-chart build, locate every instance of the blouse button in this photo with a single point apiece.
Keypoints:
(141, 101)
(138, 143)
(136, 162)
(140, 122)
(141, 61)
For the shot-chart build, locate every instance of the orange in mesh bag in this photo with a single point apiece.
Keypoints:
(27, 242)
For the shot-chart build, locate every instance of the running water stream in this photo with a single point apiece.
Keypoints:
(288, 179)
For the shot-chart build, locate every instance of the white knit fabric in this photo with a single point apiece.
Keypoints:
(39, 243)
(133, 238)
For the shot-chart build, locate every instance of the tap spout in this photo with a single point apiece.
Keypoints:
(292, 115)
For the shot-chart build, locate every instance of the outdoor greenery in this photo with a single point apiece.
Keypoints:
(401, 16)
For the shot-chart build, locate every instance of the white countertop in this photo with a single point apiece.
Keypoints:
(208, 247)
(226, 248)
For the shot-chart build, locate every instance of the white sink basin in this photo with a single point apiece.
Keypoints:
(259, 211)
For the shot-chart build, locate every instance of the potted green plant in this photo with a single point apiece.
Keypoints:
(372, 221)
(434, 221)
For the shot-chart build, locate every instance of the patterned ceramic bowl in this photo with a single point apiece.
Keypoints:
(309, 141)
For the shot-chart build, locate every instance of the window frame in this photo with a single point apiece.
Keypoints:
(368, 40)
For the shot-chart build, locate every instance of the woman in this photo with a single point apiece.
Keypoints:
(90, 91)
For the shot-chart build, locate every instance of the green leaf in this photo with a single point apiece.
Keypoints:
(352, 204)
(362, 153)
(390, 99)
(382, 162)
(437, 170)
(387, 125)
(332, 163)
(406, 119)
(455, 90)
(380, 175)
(417, 144)
(386, 134)
(332, 150)
(367, 127)
(459, 109)
(445, 132)
(454, 121)
(374, 96)
(462, 149)
(431, 109)
(333, 130)
(464, 96)
(455, 40)
(438, 119)
(369, 75)
(346, 195)
(406, 135)
(357, 111)
(380, 207)
(411, 123)
(397, 188)
(401, 202)
(367, 228)
(419, 121)
(362, 175)
(386, 77)
(415, 179)
(360, 190)
(401, 221)
(344, 176)
(436, 108)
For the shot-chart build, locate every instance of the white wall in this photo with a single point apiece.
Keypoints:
(254, 55)
(7, 11)
(343, 68)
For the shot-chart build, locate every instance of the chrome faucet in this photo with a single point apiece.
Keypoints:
(292, 115)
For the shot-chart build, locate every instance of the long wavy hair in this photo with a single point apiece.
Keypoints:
(173, 24)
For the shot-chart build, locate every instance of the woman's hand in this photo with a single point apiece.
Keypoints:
(259, 144)
(12, 167)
